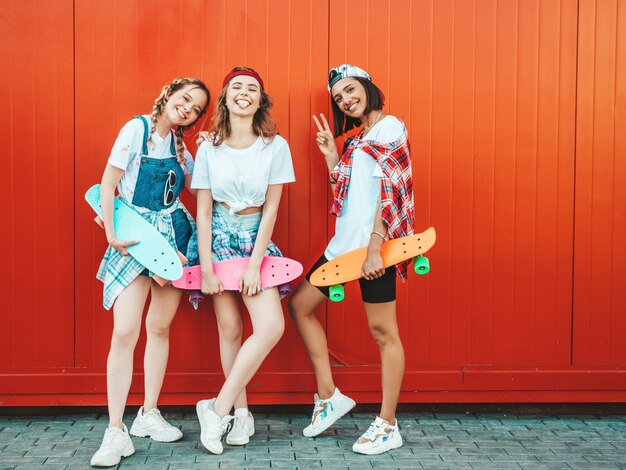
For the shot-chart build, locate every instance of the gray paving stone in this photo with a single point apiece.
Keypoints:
(198, 465)
(46, 466)
(432, 440)
(258, 464)
(428, 457)
(307, 463)
(408, 463)
(228, 464)
(132, 465)
(545, 465)
(593, 465)
(283, 463)
(447, 465)
(62, 460)
(226, 457)
(556, 458)
(22, 460)
(480, 464)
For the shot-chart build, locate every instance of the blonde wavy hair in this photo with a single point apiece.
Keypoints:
(159, 105)
(262, 125)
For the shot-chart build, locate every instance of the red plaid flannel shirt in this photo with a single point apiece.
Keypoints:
(394, 159)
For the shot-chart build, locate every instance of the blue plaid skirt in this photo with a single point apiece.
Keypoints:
(117, 271)
(234, 235)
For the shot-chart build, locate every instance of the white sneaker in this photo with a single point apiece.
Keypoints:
(243, 428)
(212, 427)
(327, 412)
(379, 437)
(116, 444)
(153, 425)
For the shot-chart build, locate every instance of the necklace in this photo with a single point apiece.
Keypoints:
(366, 129)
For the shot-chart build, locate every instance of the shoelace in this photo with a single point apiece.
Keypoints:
(239, 423)
(109, 437)
(161, 419)
(372, 431)
(228, 425)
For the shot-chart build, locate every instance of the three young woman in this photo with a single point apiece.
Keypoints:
(149, 166)
(238, 176)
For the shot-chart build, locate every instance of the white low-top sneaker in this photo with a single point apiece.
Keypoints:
(327, 412)
(212, 427)
(116, 444)
(243, 428)
(379, 437)
(153, 425)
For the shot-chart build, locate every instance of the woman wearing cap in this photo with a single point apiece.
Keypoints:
(239, 176)
(371, 207)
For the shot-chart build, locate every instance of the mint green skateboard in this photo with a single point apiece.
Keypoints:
(153, 250)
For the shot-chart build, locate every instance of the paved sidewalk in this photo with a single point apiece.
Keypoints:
(432, 440)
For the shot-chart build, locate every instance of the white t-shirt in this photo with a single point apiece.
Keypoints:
(354, 227)
(127, 148)
(240, 177)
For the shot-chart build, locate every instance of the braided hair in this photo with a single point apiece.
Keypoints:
(159, 106)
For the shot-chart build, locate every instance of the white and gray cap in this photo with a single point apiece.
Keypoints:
(345, 71)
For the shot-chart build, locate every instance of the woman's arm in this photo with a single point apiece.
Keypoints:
(204, 219)
(251, 280)
(112, 175)
(373, 267)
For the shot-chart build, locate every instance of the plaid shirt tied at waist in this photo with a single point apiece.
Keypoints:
(396, 190)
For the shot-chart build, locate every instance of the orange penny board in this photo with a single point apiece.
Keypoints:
(347, 267)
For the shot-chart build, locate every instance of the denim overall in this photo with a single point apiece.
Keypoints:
(159, 183)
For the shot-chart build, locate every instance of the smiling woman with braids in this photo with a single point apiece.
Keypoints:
(149, 166)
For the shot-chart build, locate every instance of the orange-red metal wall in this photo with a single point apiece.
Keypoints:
(516, 116)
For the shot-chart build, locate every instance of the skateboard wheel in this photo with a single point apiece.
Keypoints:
(421, 265)
(284, 289)
(336, 293)
(196, 296)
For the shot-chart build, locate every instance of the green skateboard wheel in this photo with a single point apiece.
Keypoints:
(336, 293)
(421, 265)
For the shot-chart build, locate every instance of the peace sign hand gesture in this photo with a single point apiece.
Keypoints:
(325, 139)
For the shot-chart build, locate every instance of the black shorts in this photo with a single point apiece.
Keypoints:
(378, 291)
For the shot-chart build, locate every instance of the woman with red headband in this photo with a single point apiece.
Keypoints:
(239, 176)
(373, 202)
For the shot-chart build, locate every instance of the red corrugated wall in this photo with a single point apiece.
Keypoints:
(516, 117)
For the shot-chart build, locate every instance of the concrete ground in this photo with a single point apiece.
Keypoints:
(431, 440)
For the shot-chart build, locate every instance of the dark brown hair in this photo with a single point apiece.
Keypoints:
(375, 101)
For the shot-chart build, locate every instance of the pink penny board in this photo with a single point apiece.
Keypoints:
(274, 271)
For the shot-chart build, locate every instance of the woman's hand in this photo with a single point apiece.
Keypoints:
(122, 245)
(324, 138)
(205, 135)
(250, 282)
(373, 267)
(211, 284)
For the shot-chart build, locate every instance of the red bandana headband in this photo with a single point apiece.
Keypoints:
(249, 73)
